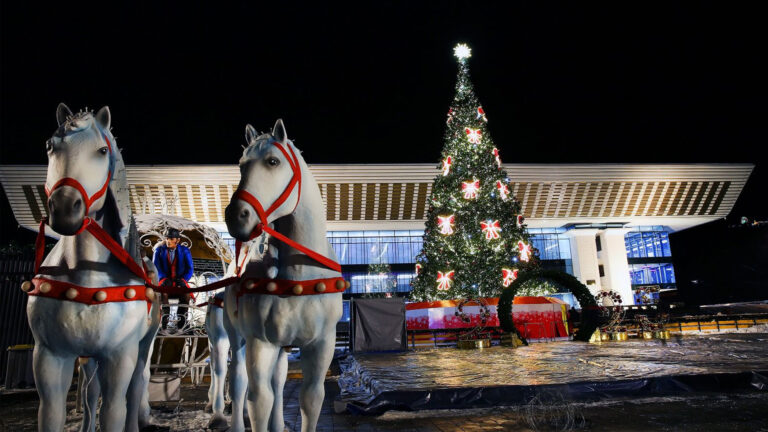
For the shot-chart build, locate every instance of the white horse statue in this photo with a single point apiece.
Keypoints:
(88, 300)
(293, 296)
(221, 336)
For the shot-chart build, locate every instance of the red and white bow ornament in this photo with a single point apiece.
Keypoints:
(470, 189)
(491, 229)
(445, 280)
(473, 135)
(496, 155)
(447, 162)
(525, 251)
(508, 276)
(481, 114)
(503, 190)
(446, 224)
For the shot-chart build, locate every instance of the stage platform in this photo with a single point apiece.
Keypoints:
(448, 378)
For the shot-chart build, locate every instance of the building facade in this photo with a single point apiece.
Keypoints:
(607, 224)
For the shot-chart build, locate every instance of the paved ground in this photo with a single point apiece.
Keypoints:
(703, 412)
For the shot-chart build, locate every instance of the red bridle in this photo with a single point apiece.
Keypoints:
(263, 225)
(87, 200)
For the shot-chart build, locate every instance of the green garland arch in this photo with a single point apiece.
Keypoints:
(589, 308)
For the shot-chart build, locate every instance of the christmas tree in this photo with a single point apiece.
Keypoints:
(475, 241)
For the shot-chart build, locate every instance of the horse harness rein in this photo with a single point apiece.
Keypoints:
(44, 287)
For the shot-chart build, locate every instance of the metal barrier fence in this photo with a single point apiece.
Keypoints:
(14, 328)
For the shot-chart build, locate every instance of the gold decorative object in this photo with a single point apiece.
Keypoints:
(473, 343)
(605, 336)
(619, 335)
(661, 334)
(510, 340)
(646, 334)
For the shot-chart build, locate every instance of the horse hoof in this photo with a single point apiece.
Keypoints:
(208, 408)
(218, 422)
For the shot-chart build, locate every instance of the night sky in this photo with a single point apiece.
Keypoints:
(372, 84)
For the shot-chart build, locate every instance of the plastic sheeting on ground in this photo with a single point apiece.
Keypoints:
(451, 378)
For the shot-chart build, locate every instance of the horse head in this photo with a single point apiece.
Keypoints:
(82, 158)
(270, 182)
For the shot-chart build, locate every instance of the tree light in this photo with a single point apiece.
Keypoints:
(462, 51)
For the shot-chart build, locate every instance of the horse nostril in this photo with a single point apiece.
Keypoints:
(77, 204)
(245, 213)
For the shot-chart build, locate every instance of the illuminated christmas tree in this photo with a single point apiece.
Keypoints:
(475, 241)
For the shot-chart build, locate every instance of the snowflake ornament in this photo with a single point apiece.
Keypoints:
(474, 135)
(491, 229)
(446, 224)
(445, 280)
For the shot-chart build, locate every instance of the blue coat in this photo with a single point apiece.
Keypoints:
(184, 266)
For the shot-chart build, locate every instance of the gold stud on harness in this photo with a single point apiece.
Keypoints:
(26, 286)
(71, 293)
(130, 293)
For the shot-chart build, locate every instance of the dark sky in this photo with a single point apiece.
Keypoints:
(609, 82)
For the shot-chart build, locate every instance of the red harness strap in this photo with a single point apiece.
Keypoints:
(291, 288)
(244, 195)
(59, 290)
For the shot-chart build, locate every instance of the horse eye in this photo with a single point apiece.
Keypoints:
(273, 161)
(103, 150)
(48, 146)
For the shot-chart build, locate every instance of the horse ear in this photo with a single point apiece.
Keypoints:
(62, 112)
(279, 131)
(104, 118)
(250, 134)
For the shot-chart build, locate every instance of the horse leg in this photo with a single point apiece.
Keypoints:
(137, 414)
(238, 379)
(53, 376)
(115, 372)
(276, 421)
(91, 391)
(261, 358)
(219, 347)
(315, 360)
(145, 417)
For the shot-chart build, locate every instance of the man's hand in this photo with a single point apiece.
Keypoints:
(167, 283)
(181, 283)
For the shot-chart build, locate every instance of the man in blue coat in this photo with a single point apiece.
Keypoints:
(174, 268)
